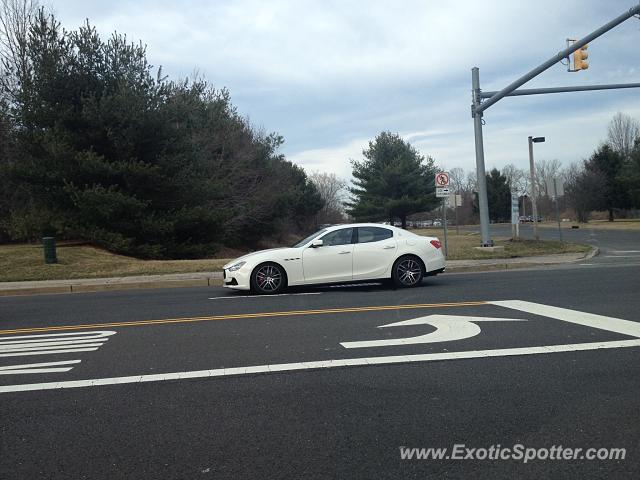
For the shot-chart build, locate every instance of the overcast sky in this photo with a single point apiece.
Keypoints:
(330, 75)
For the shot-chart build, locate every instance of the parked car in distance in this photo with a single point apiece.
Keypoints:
(528, 218)
(339, 254)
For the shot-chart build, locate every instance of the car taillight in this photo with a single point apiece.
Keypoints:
(436, 243)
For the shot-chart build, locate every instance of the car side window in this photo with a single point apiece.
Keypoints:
(339, 237)
(373, 234)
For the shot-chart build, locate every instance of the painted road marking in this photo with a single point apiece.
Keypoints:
(610, 324)
(49, 344)
(49, 367)
(235, 297)
(347, 362)
(616, 325)
(355, 285)
(53, 343)
(448, 328)
(291, 313)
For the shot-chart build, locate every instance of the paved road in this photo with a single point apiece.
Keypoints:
(616, 246)
(157, 385)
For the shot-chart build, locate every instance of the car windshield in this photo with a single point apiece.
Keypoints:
(306, 240)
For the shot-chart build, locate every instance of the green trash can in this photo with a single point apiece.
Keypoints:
(49, 244)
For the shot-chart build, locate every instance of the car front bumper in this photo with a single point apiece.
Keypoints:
(238, 280)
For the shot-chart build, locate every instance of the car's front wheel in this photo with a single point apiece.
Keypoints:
(268, 279)
(407, 271)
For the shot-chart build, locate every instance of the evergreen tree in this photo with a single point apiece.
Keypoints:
(607, 165)
(135, 163)
(498, 197)
(393, 181)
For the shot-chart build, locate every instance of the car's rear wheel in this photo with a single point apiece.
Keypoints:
(407, 271)
(268, 279)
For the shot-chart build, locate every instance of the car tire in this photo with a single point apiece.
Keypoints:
(407, 272)
(268, 279)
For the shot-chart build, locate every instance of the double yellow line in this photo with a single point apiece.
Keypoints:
(290, 313)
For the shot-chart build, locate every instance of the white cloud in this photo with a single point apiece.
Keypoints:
(334, 159)
(329, 75)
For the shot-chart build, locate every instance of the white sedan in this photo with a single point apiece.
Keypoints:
(339, 254)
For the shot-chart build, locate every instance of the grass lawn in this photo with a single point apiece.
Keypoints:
(25, 262)
(461, 247)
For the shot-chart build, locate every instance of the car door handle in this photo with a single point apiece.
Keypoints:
(388, 247)
(344, 253)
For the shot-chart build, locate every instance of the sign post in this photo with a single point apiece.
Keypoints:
(443, 191)
(515, 216)
(558, 191)
(458, 203)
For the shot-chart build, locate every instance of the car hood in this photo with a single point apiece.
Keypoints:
(271, 254)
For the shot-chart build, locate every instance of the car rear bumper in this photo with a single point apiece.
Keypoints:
(436, 265)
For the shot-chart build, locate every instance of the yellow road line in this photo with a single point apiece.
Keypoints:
(290, 313)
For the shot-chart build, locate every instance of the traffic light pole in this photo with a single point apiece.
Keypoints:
(583, 88)
(478, 107)
(483, 204)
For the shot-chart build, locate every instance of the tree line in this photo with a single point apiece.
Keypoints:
(96, 144)
(608, 180)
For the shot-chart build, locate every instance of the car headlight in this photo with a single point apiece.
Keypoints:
(236, 266)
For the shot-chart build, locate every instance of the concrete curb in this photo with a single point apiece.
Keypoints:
(109, 284)
(520, 262)
(594, 252)
(211, 279)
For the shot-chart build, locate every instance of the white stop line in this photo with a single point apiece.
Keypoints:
(610, 324)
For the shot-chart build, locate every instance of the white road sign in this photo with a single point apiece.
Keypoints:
(515, 209)
(551, 188)
(443, 192)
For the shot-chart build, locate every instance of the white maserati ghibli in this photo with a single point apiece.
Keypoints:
(339, 254)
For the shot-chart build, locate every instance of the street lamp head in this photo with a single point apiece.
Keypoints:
(537, 139)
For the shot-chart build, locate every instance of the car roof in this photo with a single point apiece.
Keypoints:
(351, 225)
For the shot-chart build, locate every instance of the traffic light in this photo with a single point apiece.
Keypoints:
(579, 59)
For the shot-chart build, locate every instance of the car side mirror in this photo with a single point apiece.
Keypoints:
(317, 243)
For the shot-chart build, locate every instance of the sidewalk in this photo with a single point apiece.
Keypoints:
(208, 279)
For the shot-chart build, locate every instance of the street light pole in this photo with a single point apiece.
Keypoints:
(534, 205)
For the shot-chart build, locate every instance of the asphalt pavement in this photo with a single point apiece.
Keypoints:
(616, 246)
(329, 382)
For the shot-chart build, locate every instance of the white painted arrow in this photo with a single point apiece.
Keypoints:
(448, 328)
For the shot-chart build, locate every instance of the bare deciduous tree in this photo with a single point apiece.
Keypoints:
(517, 179)
(456, 179)
(546, 170)
(471, 182)
(332, 190)
(623, 132)
(15, 19)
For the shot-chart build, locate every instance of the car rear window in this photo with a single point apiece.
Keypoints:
(373, 234)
